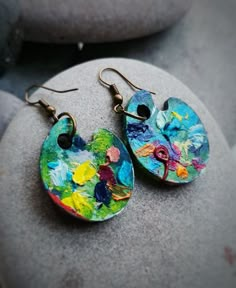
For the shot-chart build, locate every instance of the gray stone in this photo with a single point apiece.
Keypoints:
(167, 237)
(9, 105)
(234, 151)
(98, 21)
(10, 31)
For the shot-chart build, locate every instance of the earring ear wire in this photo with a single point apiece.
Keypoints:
(122, 76)
(51, 110)
(118, 98)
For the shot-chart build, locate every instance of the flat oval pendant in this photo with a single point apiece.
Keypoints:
(172, 144)
(93, 180)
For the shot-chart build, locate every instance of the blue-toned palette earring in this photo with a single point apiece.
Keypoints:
(91, 181)
(170, 144)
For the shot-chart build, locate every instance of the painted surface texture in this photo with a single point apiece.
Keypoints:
(172, 144)
(93, 180)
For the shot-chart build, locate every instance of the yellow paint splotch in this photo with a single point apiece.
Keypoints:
(83, 173)
(77, 201)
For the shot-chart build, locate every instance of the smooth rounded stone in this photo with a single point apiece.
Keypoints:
(234, 151)
(168, 236)
(10, 31)
(9, 105)
(98, 21)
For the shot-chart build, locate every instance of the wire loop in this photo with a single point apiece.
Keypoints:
(118, 98)
(51, 110)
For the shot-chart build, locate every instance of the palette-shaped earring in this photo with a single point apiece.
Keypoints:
(92, 181)
(170, 144)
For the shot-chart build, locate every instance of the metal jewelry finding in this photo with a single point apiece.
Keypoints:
(118, 98)
(51, 110)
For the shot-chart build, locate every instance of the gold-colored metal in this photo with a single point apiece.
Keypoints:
(51, 110)
(121, 75)
(27, 96)
(119, 109)
(118, 98)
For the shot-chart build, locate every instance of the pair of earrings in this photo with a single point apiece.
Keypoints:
(94, 181)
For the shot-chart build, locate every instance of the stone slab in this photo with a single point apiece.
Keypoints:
(9, 105)
(98, 21)
(167, 237)
(11, 33)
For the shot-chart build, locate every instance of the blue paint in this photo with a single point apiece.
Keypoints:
(139, 131)
(102, 194)
(178, 128)
(125, 170)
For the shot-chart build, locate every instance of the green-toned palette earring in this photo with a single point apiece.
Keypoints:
(170, 144)
(92, 181)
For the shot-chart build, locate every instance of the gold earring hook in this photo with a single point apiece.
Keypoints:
(51, 110)
(122, 76)
(27, 96)
(118, 108)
